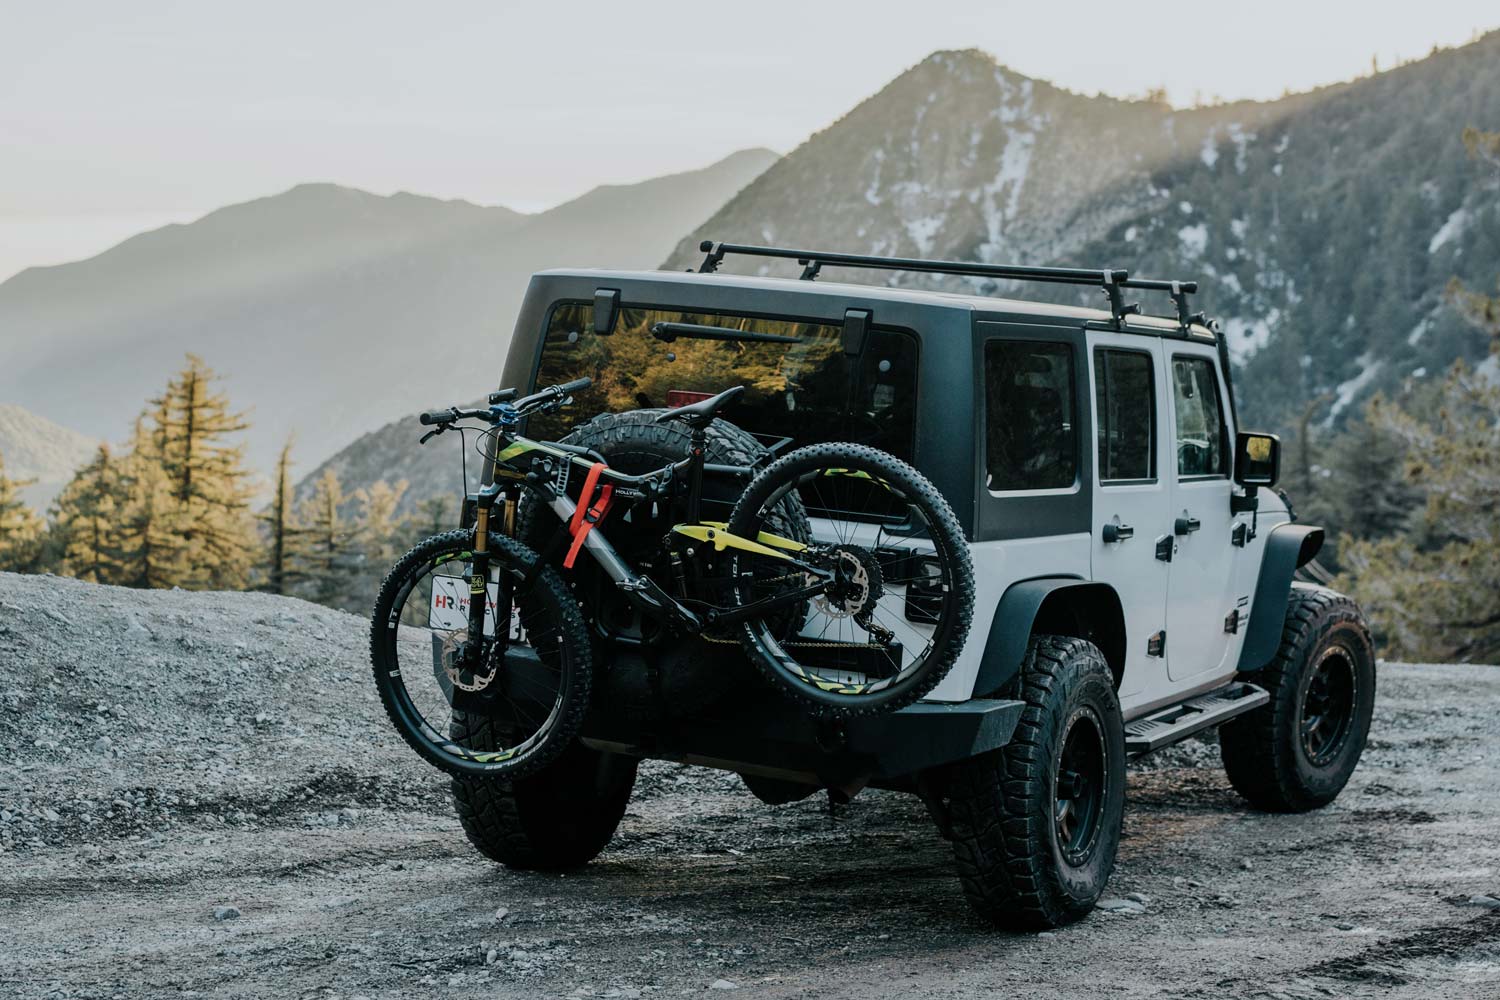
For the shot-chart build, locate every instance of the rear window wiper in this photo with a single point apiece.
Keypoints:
(668, 332)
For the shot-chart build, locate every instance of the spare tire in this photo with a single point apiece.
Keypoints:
(668, 677)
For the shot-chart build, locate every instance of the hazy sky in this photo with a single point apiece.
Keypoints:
(115, 117)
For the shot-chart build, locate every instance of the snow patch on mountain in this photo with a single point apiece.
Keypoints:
(1194, 240)
(1452, 227)
(1245, 337)
(1349, 389)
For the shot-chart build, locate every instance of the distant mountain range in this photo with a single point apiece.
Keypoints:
(1323, 226)
(34, 447)
(329, 310)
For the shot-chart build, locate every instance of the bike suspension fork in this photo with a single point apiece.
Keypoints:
(479, 567)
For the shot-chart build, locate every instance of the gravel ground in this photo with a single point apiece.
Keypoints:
(199, 796)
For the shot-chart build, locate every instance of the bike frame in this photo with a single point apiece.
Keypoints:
(550, 468)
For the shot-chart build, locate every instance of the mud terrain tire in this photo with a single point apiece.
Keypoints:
(1321, 679)
(559, 818)
(1022, 867)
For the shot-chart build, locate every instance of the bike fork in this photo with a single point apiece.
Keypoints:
(479, 567)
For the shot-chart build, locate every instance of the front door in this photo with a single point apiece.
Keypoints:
(1200, 596)
(1131, 495)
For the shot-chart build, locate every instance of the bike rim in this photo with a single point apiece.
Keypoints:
(521, 694)
(1327, 714)
(893, 579)
(1079, 790)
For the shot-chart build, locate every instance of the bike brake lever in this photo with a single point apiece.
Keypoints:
(432, 434)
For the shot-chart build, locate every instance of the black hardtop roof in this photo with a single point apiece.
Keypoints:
(979, 304)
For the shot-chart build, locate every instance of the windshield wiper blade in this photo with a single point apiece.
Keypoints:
(668, 332)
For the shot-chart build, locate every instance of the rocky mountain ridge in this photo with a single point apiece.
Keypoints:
(1323, 227)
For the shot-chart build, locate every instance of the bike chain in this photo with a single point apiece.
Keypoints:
(792, 642)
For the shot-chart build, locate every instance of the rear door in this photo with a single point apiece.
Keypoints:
(1131, 494)
(1201, 594)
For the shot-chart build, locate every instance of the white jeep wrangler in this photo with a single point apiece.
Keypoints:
(1134, 568)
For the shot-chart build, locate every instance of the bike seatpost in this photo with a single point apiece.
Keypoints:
(696, 452)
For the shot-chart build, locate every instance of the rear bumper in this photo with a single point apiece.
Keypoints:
(773, 739)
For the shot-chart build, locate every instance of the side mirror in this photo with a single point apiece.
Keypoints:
(1257, 459)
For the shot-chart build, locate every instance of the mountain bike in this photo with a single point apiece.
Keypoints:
(484, 656)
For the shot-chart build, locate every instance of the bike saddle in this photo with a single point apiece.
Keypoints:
(699, 415)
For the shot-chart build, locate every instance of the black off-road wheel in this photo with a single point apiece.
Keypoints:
(1035, 824)
(557, 819)
(1297, 751)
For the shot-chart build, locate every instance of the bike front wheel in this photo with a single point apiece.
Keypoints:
(521, 689)
(898, 583)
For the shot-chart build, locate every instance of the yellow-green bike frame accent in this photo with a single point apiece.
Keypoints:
(713, 533)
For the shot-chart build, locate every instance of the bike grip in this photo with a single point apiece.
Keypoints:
(575, 385)
(438, 417)
(503, 396)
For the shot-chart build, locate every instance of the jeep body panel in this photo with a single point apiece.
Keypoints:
(1023, 535)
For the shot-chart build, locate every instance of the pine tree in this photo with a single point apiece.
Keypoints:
(150, 547)
(206, 478)
(20, 527)
(1434, 594)
(286, 538)
(331, 550)
(84, 521)
(380, 530)
(433, 516)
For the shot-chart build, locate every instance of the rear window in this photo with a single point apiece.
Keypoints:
(808, 391)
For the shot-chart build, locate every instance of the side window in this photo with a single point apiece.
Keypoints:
(1125, 404)
(1031, 441)
(1201, 450)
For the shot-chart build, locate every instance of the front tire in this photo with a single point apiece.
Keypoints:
(1297, 752)
(1036, 824)
(538, 703)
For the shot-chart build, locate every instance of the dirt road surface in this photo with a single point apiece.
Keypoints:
(199, 796)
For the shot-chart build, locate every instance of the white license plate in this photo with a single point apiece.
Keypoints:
(450, 607)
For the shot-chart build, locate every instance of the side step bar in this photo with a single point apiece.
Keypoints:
(1171, 725)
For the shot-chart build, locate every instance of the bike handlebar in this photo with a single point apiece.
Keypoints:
(553, 393)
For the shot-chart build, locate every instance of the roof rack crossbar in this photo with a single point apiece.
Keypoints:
(1066, 275)
(1111, 280)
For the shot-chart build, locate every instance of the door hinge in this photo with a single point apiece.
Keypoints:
(1241, 534)
(1232, 622)
(1164, 546)
(1157, 644)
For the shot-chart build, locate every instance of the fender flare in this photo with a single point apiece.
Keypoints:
(1288, 546)
(1015, 617)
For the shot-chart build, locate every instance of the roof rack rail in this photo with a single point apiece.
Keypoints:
(1110, 280)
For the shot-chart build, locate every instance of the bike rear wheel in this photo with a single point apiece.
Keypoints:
(895, 619)
(527, 677)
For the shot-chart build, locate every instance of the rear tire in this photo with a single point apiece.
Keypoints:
(1022, 867)
(1322, 678)
(774, 652)
(559, 818)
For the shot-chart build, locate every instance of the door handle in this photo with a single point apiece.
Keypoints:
(1186, 525)
(1116, 533)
